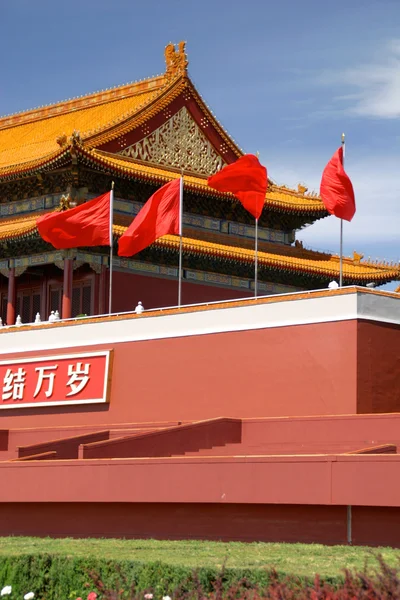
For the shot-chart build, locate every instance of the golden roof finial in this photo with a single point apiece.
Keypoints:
(176, 60)
(302, 189)
(357, 258)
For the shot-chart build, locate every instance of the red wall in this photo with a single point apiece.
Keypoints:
(297, 370)
(304, 435)
(378, 367)
(319, 524)
(372, 526)
(155, 292)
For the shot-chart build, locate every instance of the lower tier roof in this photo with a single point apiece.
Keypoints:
(301, 262)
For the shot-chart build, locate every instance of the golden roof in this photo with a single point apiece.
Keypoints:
(328, 266)
(33, 135)
(300, 260)
(279, 197)
(17, 228)
(47, 137)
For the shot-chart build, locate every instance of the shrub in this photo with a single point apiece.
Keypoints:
(54, 577)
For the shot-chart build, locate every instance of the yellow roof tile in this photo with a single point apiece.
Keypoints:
(15, 228)
(279, 197)
(327, 265)
(39, 138)
(33, 135)
(320, 264)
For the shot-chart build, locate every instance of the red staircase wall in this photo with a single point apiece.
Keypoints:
(168, 442)
(65, 448)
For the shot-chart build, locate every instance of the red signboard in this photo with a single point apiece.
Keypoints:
(54, 380)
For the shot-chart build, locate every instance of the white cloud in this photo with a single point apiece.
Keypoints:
(372, 89)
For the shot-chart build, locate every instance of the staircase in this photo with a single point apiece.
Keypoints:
(220, 437)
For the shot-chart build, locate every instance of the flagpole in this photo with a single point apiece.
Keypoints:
(180, 240)
(256, 260)
(111, 246)
(256, 253)
(341, 227)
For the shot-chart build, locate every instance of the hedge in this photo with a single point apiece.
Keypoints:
(56, 577)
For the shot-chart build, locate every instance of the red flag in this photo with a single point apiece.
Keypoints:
(158, 217)
(84, 225)
(336, 188)
(246, 179)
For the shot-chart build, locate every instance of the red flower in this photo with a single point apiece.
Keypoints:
(92, 596)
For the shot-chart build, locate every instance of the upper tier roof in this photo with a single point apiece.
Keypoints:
(112, 125)
(37, 134)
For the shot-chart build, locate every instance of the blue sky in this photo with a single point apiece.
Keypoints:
(283, 77)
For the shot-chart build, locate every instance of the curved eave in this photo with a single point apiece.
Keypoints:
(351, 273)
(276, 198)
(325, 268)
(46, 163)
(20, 229)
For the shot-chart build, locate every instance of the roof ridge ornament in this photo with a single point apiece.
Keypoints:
(75, 137)
(64, 202)
(176, 60)
(357, 258)
(62, 140)
(302, 189)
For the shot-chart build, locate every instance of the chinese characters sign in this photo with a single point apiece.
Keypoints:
(54, 380)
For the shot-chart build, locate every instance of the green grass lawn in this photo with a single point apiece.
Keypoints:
(299, 559)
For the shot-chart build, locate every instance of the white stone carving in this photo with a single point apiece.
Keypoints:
(139, 309)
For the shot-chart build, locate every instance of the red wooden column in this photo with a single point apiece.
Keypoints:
(11, 297)
(102, 290)
(66, 311)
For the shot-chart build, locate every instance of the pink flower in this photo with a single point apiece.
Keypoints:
(148, 596)
(92, 596)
